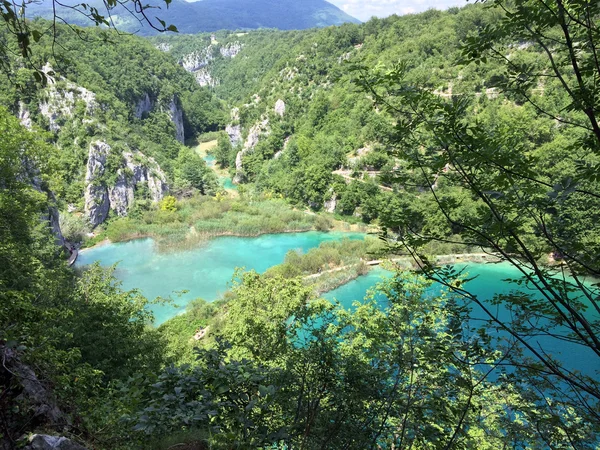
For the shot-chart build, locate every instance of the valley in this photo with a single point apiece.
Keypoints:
(296, 230)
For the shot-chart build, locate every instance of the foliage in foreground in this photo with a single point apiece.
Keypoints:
(399, 369)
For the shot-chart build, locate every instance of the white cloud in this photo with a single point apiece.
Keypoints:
(365, 9)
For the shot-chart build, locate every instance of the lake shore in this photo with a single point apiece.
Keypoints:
(351, 272)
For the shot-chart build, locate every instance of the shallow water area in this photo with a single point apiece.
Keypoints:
(204, 272)
(227, 183)
(210, 160)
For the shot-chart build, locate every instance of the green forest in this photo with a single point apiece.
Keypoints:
(472, 131)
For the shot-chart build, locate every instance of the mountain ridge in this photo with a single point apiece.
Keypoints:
(211, 15)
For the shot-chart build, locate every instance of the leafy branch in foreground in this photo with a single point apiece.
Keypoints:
(20, 34)
(492, 169)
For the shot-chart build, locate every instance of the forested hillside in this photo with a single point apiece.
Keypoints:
(471, 129)
(330, 146)
(206, 15)
(335, 143)
(118, 113)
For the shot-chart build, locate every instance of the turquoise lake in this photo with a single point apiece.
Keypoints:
(489, 280)
(206, 271)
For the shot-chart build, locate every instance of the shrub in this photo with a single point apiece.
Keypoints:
(169, 203)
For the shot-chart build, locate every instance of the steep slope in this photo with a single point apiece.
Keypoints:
(118, 114)
(212, 15)
(330, 147)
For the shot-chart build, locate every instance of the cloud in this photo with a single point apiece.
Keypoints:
(365, 9)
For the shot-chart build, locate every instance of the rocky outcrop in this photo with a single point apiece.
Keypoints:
(198, 59)
(59, 103)
(176, 116)
(231, 50)
(164, 47)
(24, 116)
(331, 204)
(204, 78)
(96, 195)
(144, 106)
(280, 152)
(359, 154)
(279, 108)
(258, 130)
(26, 389)
(47, 442)
(235, 134)
(198, 62)
(100, 198)
(234, 131)
(121, 195)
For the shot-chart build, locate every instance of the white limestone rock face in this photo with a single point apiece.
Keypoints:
(235, 134)
(96, 195)
(24, 116)
(164, 47)
(198, 59)
(176, 116)
(137, 168)
(280, 108)
(198, 62)
(146, 170)
(47, 442)
(204, 78)
(254, 135)
(121, 195)
(331, 204)
(234, 131)
(59, 103)
(144, 106)
(231, 50)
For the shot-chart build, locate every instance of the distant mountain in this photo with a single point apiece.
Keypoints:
(212, 15)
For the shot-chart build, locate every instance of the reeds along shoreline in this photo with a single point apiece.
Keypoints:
(198, 219)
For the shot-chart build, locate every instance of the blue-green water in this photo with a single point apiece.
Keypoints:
(227, 183)
(489, 280)
(210, 160)
(204, 271)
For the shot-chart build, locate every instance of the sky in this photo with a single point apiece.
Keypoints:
(365, 9)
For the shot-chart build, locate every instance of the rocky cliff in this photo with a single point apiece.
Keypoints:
(60, 102)
(146, 105)
(259, 129)
(102, 196)
(199, 61)
(176, 116)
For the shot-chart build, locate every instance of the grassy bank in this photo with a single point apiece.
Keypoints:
(332, 264)
(189, 222)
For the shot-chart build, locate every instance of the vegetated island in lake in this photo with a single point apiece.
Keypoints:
(183, 224)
